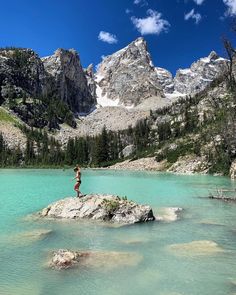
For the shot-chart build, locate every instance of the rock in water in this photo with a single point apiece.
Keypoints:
(196, 248)
(64, 259)
(27, 237)
(169, 214)
(99, 207)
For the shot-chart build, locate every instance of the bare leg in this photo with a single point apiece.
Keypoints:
(76, 188)
(78, 192)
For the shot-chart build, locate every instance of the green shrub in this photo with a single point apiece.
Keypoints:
(111, 205)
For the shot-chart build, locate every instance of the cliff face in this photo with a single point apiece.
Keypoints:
(69, 80)
(22, 71)
(89, 73)
(45, 92)
(165, 79)
(200, 74)
(128, 76)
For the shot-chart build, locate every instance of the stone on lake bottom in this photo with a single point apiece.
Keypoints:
(196, 248)
(64, 259)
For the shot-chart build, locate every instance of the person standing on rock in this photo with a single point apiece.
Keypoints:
(78, 180)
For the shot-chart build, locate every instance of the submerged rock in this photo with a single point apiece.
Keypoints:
(64, 259)
(133, 241)
(169, 214)
(196, 248)
(211, 222)
(99, 207)
(29, 236)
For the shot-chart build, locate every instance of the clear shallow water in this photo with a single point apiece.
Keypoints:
(23, 261)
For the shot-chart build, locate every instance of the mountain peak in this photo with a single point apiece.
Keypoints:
(140, 41)
(213, 55)
(62, 51)
(128, 76)
(200, 74)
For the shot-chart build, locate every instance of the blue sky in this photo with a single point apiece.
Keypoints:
(177, 31)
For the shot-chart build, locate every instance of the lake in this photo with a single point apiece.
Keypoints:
(160, 269)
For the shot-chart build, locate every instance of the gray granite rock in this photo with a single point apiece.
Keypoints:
(22, 70)
(128, 150)
(128, 76)
(200, 74)
(165, 79)
(89, 73)
(99, 207)
(70, 80)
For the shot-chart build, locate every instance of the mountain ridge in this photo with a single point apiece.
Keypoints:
(63, 98)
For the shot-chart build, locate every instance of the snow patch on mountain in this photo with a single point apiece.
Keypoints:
(103, 101)
(127, 77)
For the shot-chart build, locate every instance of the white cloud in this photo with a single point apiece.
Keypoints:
(231, 4)
(191, 14)
(141, 2)
(152, 24)
(199, 2)
(107, 37)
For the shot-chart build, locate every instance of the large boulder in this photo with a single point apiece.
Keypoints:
(128, 150)
(99, 207)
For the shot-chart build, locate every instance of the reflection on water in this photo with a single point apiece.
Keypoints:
(167, 257)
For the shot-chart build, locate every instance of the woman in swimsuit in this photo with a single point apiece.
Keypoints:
(78, 180)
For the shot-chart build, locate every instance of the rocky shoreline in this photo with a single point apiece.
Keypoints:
(143, 164)
(185, 165)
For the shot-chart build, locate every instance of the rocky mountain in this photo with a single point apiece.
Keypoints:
(48, 91)
(89, 73)
(21, 73)
(165, 79)
(127, 77)
(70, 80)
(200, 74)
(194, 79)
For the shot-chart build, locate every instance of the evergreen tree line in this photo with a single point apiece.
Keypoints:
(94, 151)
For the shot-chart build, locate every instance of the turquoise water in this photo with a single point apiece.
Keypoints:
(23, 261)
